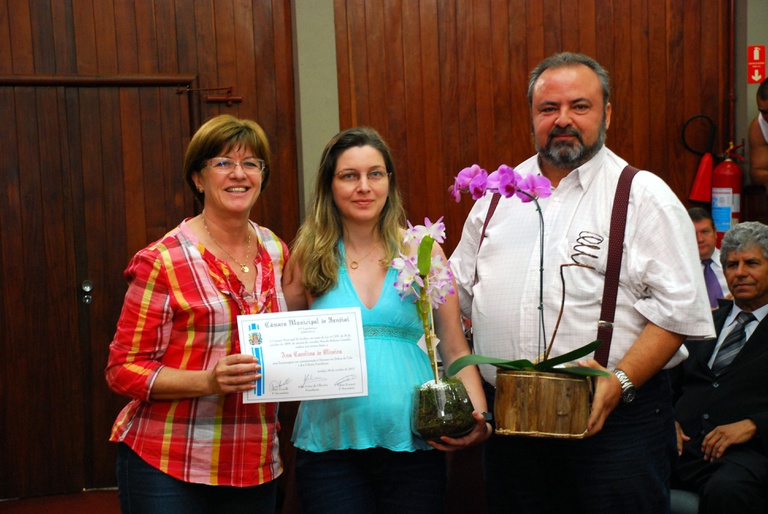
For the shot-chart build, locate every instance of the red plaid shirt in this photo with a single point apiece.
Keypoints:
(181, 311)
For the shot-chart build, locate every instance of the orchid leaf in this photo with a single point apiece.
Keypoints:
(572, 355)
(544, 366)
(470, 360)
(425, 256)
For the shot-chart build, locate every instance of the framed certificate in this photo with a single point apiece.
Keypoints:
(305, 355)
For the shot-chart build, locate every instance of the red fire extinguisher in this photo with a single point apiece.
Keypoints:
(726, 192)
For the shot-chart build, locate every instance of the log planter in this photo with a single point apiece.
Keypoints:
(542, 404)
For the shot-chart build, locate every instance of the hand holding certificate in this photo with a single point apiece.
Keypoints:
(306, 355)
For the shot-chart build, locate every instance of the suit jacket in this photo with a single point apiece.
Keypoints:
(705, 401)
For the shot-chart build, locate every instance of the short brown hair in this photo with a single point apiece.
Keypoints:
(700, 213)
(218, 136)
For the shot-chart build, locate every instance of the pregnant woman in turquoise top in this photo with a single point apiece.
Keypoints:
(358, 454)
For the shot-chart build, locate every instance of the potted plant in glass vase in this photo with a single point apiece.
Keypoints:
(441, 406)
(546, 396)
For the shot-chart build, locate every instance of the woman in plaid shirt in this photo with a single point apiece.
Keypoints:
(176, 352)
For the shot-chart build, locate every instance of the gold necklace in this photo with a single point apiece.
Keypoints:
(243, 266)
(353, 264)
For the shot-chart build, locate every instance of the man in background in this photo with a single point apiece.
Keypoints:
(722, 405)
(758, 139)
(706, 239)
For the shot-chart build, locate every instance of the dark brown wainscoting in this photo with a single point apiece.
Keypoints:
(103, 502)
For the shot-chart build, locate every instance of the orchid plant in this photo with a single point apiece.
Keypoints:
(508, 183)
(425, 276)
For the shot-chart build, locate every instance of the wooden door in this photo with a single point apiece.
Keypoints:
(89, 175)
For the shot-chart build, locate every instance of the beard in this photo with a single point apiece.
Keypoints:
(567, 154)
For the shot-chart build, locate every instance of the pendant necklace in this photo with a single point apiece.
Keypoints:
(353, 264)
(243, 266)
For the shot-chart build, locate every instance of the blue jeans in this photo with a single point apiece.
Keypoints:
(373, 481)
(625, 467)
(144, 489)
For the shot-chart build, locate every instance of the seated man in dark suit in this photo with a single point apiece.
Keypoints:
(722, 388)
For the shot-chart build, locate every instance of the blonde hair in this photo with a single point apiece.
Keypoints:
(316, 249)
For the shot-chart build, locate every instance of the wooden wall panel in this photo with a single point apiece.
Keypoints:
(413, 97)
(280, 203)
(465, 66)
(91, 173)
(243, 44)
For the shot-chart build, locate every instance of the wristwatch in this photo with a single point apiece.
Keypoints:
(628, 389)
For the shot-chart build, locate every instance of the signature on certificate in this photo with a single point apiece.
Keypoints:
(346, 380)
(279, 385)
(311, 380)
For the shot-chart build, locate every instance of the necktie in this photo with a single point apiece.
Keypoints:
(713, 285)
(733, 342)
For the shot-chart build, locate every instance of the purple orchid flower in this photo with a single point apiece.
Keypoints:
(504, 180)
(472, 179)
(455, 192)
(507, 180)
(465, 176)
(533, 186)
(478, 185)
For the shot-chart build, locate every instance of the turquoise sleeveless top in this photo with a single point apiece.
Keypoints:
(396, 365)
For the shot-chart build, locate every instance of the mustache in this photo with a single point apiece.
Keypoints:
(738, 283)
(564, 131)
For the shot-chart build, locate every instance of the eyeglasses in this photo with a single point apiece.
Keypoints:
(353, 177)
(251, 166)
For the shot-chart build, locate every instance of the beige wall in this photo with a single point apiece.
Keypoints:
(316, 88)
